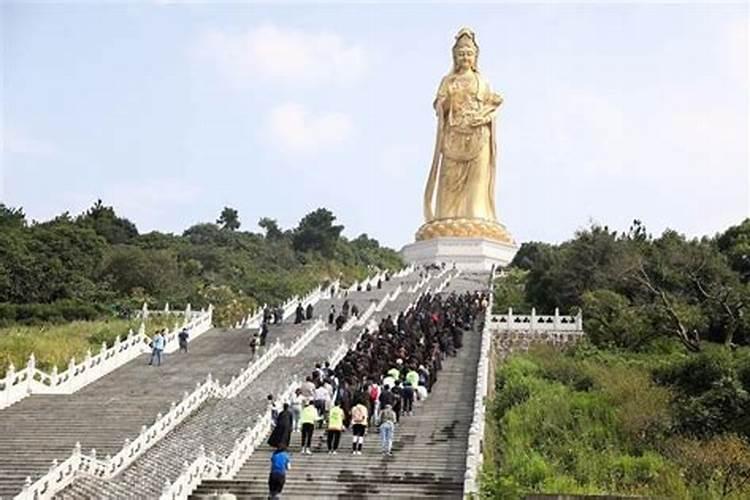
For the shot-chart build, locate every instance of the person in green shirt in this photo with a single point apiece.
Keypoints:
(395, 373)
(335, 427)
(413, 377)
(308, 418)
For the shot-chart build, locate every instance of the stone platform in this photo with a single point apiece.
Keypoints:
(468, 254)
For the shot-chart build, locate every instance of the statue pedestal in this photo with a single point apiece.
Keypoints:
(468, 254)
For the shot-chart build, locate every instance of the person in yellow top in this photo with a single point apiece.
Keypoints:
(308, 418)
(335, 427)
(359, 425)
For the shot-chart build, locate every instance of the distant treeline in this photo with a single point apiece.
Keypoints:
(634, 288)
(97, 264)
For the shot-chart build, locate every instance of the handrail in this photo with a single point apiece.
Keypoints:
(16, 385)
(474, 450)
(211, 467)
(52, 482)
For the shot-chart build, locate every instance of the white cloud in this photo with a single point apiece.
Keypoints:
(273, 54)
(295, 130)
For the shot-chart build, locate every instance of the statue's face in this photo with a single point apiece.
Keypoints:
(465, 57)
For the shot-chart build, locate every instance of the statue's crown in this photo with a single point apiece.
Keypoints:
(465, 36)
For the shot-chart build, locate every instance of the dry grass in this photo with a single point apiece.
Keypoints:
(55, 344)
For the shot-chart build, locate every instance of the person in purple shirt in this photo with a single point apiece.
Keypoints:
(276, 479)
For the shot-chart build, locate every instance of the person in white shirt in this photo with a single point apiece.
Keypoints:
(297, 401)
(321, 399)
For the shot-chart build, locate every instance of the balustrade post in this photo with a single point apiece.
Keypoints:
(30, 371)
(556, 322)
(533, 319)
(510, 318)
(579, 320)
(53, 376)
(166, 308)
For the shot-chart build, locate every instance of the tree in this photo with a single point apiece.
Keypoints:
(229, 219)
(107, 224)
(316, 232)
(273, 231)
(11, 217)
(735, 244)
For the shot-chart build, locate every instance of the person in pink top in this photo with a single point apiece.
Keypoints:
(359, 425)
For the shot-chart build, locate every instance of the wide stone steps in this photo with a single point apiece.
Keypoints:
(429, 451)
(219, 422)
(106, 412)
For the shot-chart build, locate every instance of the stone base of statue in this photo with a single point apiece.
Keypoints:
(468, 254)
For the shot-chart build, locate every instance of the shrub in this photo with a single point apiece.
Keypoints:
(719, 466)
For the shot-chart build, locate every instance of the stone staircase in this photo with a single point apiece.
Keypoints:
(218, 423)
(429, 447)
(102, 415)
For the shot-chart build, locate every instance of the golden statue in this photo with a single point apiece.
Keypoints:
(462, 176)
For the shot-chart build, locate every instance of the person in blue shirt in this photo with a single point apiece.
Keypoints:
(157, 348)
(276, 479)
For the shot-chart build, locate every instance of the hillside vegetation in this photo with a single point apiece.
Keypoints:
(656, 402)
(96, 267)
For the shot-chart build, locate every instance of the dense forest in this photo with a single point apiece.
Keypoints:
(656, 400)
(97, 264)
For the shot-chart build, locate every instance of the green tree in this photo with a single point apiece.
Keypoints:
(11, 217)
(272, 229)
(735, 244)
(229, 219)
(107, 224)
(317, 232)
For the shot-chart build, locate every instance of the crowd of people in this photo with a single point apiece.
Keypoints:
(377, 383)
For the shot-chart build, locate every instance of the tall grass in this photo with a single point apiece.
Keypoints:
(56, 344)
(579, 424)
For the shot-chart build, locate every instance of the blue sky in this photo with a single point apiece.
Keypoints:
(171, 111)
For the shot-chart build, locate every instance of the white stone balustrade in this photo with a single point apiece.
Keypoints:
(305, 339)
(255, 317)
(205, 467)
(61, 475)
(17, 385)
(474, 450)
(536, 323)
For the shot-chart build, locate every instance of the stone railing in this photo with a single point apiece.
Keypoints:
(294, 349)
(537, 323)
(363, 317)
(403, 272)
(474, 450)
(62, 474)
(211, 467)
(420, 283)
(340, 352)
(16, 385)
(188, 313)
(255, 317)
